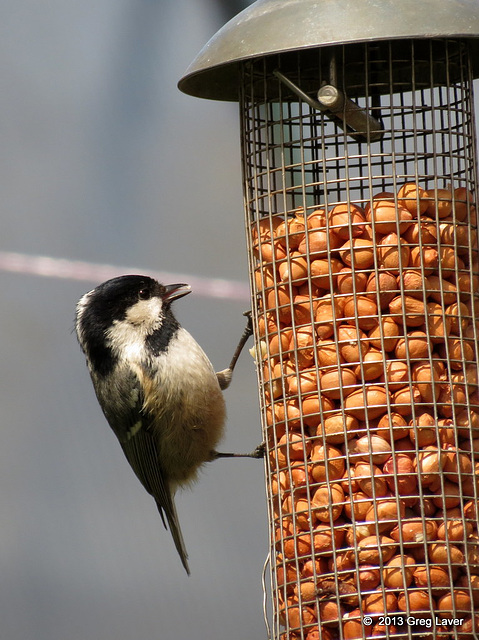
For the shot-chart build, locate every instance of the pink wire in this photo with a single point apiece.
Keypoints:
(49, 267)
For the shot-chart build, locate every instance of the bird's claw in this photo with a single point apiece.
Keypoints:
(259, 451)
(249, 326)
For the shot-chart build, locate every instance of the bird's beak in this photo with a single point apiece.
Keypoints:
(175, 291)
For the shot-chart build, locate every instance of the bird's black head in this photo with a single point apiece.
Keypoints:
(122, 310)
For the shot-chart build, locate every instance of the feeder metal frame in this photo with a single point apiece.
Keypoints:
(297, 159)
(398, 78)
(283, 26)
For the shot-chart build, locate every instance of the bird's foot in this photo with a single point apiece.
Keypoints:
(258, 453)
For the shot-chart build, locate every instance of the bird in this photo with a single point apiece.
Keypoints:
(155, 385)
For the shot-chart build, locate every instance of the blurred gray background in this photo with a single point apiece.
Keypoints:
(104, 160)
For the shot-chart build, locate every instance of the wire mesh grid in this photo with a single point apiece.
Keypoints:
(365, 271)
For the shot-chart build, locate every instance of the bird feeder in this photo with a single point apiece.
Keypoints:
(360, 190)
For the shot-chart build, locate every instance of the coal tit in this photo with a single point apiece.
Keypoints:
(155, 385)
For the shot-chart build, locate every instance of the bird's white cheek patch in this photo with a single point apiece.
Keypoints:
(127, 337)
(145, 312)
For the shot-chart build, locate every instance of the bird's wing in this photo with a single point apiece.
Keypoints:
(132, 426)
(141, 453)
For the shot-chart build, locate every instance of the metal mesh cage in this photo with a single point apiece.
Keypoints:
(362, 237)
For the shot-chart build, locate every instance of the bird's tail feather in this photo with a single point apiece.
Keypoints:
(175, 531)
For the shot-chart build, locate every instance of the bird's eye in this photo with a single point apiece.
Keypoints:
(144, 294)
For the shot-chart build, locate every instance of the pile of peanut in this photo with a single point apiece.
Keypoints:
(366, 318)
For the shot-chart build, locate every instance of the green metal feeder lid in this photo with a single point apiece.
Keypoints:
(279, 26)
